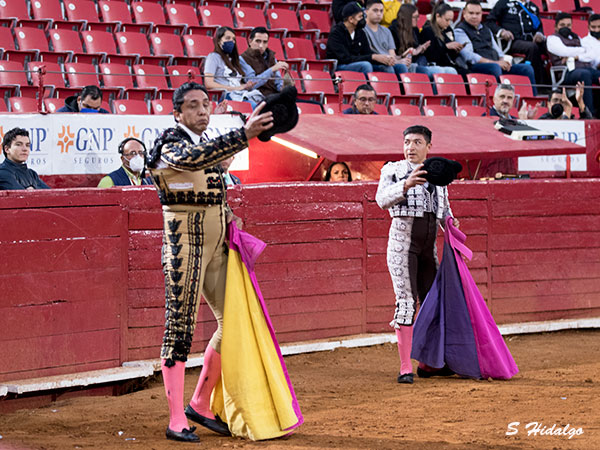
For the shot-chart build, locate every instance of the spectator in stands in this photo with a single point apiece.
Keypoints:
(591, 42)
(14, 174)
(230, 179)
(481, 52)
(518, 22)
(263, 67)
(338, 6)
(348, 43)
(338, 172)
(504, 99)
(560, 107)
(390, 11)
(363, 100)
(223, 69)
(406, 37)
(381, 40)
(444, 50)
(89, 100)
(133, 158)
(565, 48)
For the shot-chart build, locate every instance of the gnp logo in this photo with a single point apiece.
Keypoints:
(131, 132)
(85, 139)
(37, 136)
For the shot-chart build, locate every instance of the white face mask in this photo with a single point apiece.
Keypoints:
(136, 164)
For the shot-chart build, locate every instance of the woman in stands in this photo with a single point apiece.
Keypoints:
(338, 171)
(443, 50)
(406, 37)
(224, 69)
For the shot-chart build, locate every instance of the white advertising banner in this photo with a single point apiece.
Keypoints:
(69, 144)
(569, 130)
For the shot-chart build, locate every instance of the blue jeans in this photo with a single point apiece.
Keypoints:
(589, 76)
(359, 66)
(396, 68)
(496, 70)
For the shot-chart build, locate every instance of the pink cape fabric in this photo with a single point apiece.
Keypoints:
(495, 360)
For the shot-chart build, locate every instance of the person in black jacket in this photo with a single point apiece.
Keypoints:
(88, 101)
(519, 22)
(14, 174)
(348, 43)
(444, 49)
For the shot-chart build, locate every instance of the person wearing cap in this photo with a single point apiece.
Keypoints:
(184, 167)
(349, 44)
(417, 207)
(133, 157)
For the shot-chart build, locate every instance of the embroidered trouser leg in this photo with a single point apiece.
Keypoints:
(194, 263)
(412, 262)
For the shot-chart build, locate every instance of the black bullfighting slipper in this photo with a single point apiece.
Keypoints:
(216, 425)
(184, 435)
(443, 372)
(406, 378)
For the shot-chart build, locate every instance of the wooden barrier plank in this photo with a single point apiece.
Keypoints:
(316, 251)
(542, 240)
(282, 193)
(549, 189)
(296, 212)
(544, 207)
(74, 197)
(140, 298)
(541, 316)
(293, 270)
(556, 224)
(153, 336)
(73, 286)
(145, 279)
(378, 263)
(323, 333)
(58, 370)
(469, 208)
(547, 303)
(307, 231)
(145, 259)
(315, 303)
(145, 220)
(145, 239)
(540, 288)
(546, 256)
(316, 285)
(60, 350)
(310, 322)
(60, 255)
(57, 318)
(381, 298)
(38, 224)
(544, 272)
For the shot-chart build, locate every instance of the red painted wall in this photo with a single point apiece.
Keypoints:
(81, 285)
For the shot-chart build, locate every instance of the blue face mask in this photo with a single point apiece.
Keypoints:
(228, 46)
(88, 110)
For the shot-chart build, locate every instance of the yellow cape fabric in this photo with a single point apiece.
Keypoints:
(253, 397)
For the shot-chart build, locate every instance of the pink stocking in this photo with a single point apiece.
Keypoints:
(173, 379)
(209, 376)
(404, 335)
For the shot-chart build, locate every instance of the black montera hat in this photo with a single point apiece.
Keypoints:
(285, 112)
(441, 171)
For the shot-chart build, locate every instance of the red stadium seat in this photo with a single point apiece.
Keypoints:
(256, 4)
(13, 10)
(403, 109)
(454, 85)
(285, 19)
(50, 11)
(119, 76)
(523, 89)
(315, 20)
(483, 85)
(130, 107)
(69, 41)
(198, 45)
(132, 43)
(242, 107)
(302, 49)
(216, 16)
(102, 43)
(183, 15)
(293, 5)
(387, 83)
(149, 76)
(381, 109)
(560, 5)
(309, 108)
(34, 39)
(22, 105)
(179, 75)
(249, 18)
(53, 76)
(153, 14)
(52, 105)
(437, 110)
(470, 111)
(13, 80)
(8, 49)
(351, 81)
(161, 106)
(81, 74)
(419, 84)
(118, 14)
(83, 11)
(316, 81)
(167, 44)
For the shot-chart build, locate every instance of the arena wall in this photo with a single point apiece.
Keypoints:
(81, 286)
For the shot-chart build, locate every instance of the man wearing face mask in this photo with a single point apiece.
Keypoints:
(88, 101)
(348, 43)
(591, 42)
(565, 49)
(133, 157)
(560, 107)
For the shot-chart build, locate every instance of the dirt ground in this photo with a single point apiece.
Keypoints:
(350, 399)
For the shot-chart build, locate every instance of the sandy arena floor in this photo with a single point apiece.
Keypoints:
(350, 399)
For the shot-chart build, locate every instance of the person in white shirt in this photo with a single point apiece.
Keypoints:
(565, 48)
(591, 42)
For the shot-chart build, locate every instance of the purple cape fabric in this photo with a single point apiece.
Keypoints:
(250, 248)
(454, 326)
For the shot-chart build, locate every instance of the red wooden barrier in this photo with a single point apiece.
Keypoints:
(81, 285)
